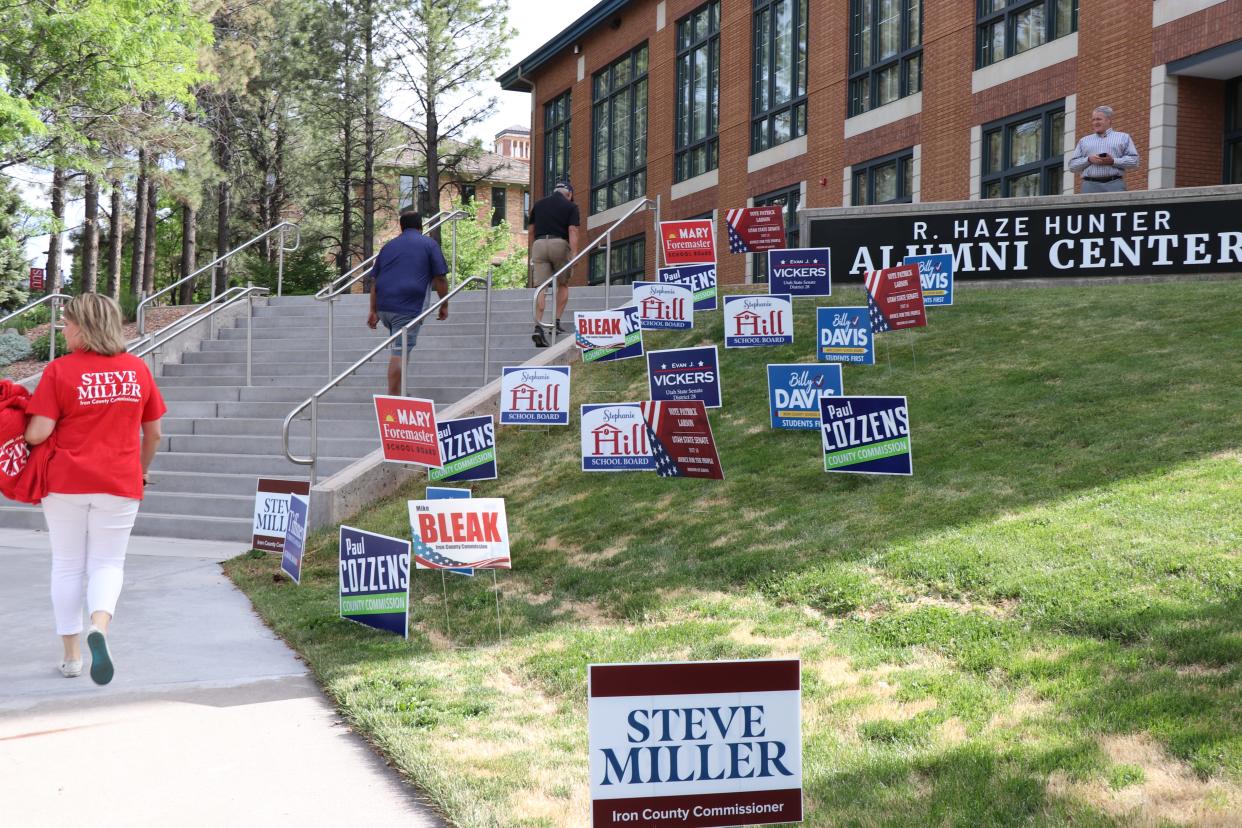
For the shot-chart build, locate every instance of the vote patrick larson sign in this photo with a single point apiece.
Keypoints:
(866, 435)
(794, 391)
(375, 580)
(685, 374)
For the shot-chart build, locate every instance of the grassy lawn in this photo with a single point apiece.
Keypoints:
(1042, 627)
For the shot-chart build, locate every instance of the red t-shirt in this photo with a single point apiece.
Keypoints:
(99, 404)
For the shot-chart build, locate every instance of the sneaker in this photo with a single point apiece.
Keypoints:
(539, 338)
(71, 669)
(101, 660)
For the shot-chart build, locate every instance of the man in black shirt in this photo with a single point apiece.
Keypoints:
(553, 237)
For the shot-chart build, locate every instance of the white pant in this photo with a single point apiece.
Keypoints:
(89, 534)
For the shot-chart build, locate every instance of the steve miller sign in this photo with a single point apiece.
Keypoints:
(695, 744)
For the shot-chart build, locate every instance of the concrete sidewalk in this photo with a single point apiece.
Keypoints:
(211, 719)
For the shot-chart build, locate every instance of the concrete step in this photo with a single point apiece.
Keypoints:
(241, 485)
(267, 410)
(344, 447)
(361, 427)
(258, 465)
(377, 366)
(147, 524)
(198, 503)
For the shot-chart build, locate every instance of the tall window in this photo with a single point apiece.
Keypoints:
(789, 199)
(525, 209)
(406, 194)
(1010, 27)
(778, 76)
(467, 192)
(1233, 132)
(1024, 155)
(619, 154)
(887, 180)
(627, 262)
(698, 91)
(498, 205)
(555, 141)
(886, 52)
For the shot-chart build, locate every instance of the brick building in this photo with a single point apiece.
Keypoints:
(829, 103)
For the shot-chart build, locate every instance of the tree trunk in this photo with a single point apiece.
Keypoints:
(433, 161)
(116, 239)
(148, 254)
(90, 237)
(368, 126)
(140, 227)
(223, 198)
(55, 279)
(344, 258)
(189, 252)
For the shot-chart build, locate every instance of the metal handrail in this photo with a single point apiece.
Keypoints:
(403, 335)
(55, 299)
(227, 300)
(281, 250)
(606, 238)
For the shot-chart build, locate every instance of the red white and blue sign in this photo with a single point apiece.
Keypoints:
(598, 329)
(800, 272)
(468, 446)
(936, 277)
(456, 533)
(685, 374)
(895, 299)
(756, 229)
(681, 440)
(534, 396)
(632, 328)
(664, 307)
(701, 279)
(754, 321)
(794, 391)
(845, 336)
(295, 537)
(450, 493)
(375, 580)
(614, 438)
(866, 435)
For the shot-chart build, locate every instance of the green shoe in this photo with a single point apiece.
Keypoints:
(101, 661)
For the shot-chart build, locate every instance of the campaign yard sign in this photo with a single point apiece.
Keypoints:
(468, 446)
(460, 532)
(936, 277)
(663, 306)
(692, 241)
(681, 440)
(633, 330)
(794, 391)
(752, 321)
(598, 329)
(845, 335)
(295, 537)
(271, 511)
(803, 271)
(534, 396)
(407, 429)
(375, 580)
(895, 299)
(703, 744)
(614, 438)
(701, 278)
(756, 229)
(685, 374)
(449, 493)
(866, 435)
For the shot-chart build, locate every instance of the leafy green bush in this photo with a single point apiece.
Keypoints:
(129, 306)
(306, 271)
(32, 318)
(13, 347)
(40, 345)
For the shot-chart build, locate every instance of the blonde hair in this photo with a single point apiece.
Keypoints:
(99, 322)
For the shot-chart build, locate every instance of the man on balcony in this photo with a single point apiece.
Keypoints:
(553, 238)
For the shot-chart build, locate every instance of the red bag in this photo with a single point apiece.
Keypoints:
(23, 472)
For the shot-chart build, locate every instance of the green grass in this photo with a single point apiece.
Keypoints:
(1042, 627)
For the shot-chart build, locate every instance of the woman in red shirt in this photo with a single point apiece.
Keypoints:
(97, 399)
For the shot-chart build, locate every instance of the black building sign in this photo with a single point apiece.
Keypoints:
(1141, 239)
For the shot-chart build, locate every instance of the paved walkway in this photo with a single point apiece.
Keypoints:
(211, 719)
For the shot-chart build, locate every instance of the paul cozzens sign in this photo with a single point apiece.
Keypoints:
(1103, 240)
(695, 744)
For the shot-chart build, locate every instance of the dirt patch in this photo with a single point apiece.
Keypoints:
(532, 700)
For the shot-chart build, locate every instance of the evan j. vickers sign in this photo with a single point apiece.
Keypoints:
(695, 744)
(1102, 240)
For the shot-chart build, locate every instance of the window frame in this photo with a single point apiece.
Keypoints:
(636, 152)
(463, 189)
(905, 161)
(554, 126)
(684, 145)
(870, 72)
(763, 119)
(626, 246)
(793, 235)
(499, 213)
(1233, 129)
(1051, 166)
(1008, 15)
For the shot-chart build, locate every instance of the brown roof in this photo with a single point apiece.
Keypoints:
(484, 166)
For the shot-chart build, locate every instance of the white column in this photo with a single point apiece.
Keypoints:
(847, 186)
(1070, 141)
(976, 160)
(1162, 143)
(916, 184)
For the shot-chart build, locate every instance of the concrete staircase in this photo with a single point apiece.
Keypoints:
(220, 434)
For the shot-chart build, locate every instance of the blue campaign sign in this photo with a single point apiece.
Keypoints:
(375, 580)
(936, 276)
(701, 278)
(845, 336)
(794, 391)
(295, 537)
(447, 493)
(681, 374)
(752, 320)
(468, 447)
(534, 395)
(614, 438)
(803, 271)
(632, 328)
(866, 435)
(664, 306)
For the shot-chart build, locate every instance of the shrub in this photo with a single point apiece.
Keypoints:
(40, 345)
(14, 347)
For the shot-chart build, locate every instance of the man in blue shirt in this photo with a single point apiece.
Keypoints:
(402, 271)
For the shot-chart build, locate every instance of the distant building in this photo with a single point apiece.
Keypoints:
(513, 142)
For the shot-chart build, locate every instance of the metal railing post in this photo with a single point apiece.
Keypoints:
(314, 438)
(331, 324)
(607, 267)
(51, 333)
(250, 340)
(405, 341)
(280, 263)
(453, 276)
(487, 327)
(554, 281)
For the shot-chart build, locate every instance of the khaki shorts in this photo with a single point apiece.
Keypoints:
(548, 256)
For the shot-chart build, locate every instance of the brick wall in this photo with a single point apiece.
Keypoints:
(1198, 32)
(1200, 131)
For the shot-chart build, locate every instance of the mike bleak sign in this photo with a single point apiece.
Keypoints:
(695, 744)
